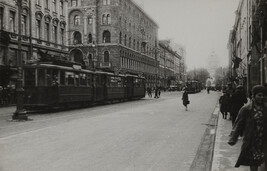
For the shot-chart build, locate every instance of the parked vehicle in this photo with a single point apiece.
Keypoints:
(48, 86)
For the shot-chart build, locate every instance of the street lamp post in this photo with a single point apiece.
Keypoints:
(20, 113)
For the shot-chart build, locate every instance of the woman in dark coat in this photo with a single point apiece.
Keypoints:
(185, 98)
(224, 104)
(252, 121)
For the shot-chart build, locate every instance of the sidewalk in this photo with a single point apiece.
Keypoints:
(224, 155)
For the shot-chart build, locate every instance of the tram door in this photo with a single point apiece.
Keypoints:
(99, 87)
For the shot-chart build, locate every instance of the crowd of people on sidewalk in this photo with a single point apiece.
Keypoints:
(249, 121)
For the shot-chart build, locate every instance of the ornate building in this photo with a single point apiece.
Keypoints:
(43, 33)
(170, 63)
(114, 35)
(247, 44)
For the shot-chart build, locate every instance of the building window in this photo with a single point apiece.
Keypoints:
(55, 33)
(130, 41)
(120, 39)
(106, 37)
(106, 56)
(108, 19)
(90, 20)
(23, 24)
(61, 5)
(37, 2)
(12, 21)
(106, 2)
(90, 38)
(77, 38)
(38, 29)
(74, 3)
(1, 17)
(47, 31)
(54, 5)
(104, 19)
(125, 40)
(62, 36)
(77, 20)
(47, 4)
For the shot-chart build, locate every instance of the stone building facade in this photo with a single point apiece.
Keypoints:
(43, 31)
(113, 35)
(247, 44)
(170, 64)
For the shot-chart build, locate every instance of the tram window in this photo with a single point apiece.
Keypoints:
(55, 77)
(49, 77)
(41, 77)
(62, 78)
(29, 77)
(89, 80)
(108, 83)
(70, 78)
(83, 79)
(77, 80)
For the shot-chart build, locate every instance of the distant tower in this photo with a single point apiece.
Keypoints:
(213, 64)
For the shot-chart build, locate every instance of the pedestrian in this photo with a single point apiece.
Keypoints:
(252, 121)
(156, 92)
(185, 98)
(224, 104)
(237, 100)
(208, 90)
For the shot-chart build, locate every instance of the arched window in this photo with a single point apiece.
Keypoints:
(77, 20)
(90, 38)
(120, 39)
(77, 38)
(125, 40)
(90, 20)
(106, 56)
(106, 36)
(108, 19)
(104, 19)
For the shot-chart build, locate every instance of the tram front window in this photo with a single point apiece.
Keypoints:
(29, 77)
(69, 78)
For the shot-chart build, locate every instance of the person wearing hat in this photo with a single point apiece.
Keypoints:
(237, 100)
(252, 122)
(185, 98)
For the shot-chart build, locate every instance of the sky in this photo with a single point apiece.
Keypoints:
(201, 26)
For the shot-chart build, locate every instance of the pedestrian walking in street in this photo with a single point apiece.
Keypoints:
(252, 122)
(224, 104)
(237, 100)
(156, 92)
(185, 98)
(149, 92)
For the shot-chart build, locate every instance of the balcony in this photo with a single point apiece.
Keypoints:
(105, 65)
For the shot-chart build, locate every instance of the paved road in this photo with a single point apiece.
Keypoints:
(149, 134)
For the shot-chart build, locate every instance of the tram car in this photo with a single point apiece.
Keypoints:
(193, 86)
(47, 86)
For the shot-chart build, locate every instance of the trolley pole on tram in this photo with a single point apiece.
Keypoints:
(20, 113)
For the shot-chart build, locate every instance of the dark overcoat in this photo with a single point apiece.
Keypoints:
(245, 123)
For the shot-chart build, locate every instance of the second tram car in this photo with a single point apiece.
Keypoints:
(193, 86)
(48, 85)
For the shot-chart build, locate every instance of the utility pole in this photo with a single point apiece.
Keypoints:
(20, 113)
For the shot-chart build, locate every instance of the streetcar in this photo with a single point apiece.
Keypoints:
(193, 86)
(49, 85)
